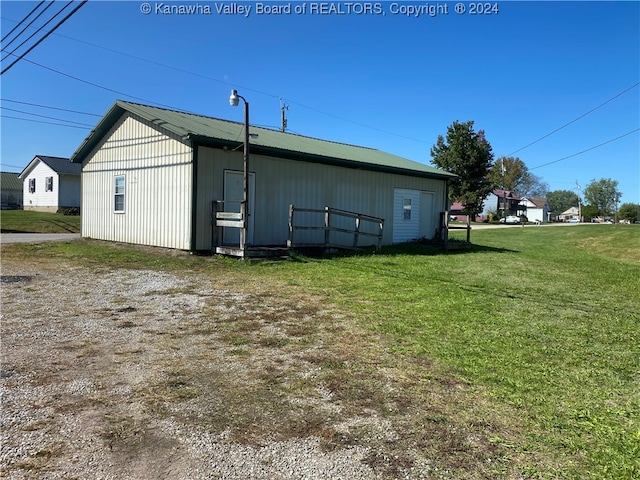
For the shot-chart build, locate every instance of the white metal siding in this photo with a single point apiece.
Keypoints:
(41, 199)
(281, 182)
(158, 186)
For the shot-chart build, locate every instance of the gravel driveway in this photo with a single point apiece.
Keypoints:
(137, 374)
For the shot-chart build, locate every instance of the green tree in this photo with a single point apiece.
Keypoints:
(469, 155)
(533, 186)
(629, 211)
(562, 200)
(508, 173)
(603, 194)
(589, 212)
(512, 174)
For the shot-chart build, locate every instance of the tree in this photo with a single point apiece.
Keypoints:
(469, 155)
(603, 194)
(533, 186)
(512, 174)
(508, 172)
(629, 211)
(589, 212)
(562, 200)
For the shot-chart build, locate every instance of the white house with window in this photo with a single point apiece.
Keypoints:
(537, 209)
(50, 183)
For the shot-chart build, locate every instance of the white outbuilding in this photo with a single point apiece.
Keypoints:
(158, 177)
(50, 184)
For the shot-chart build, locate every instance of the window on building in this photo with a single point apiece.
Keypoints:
(32, 185)
(118, 196)
(48, 184)
(406, 208)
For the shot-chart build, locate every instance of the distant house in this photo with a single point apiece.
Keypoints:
(503, 203)
(569, 214)
(537, 209)
(11, 190)
(50, 183)
(154, 176)
(498, 202)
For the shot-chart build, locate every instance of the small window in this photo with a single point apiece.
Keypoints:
(32, 185)
(118, 196)
(406, 208)
(48, 184)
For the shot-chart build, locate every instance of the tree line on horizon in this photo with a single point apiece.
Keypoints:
(468, 154)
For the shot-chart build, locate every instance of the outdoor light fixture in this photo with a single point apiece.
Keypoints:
(234, 99)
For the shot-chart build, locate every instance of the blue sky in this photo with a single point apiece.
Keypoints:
(388, 81)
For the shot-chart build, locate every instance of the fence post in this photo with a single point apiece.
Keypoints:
(380, 232)
(357, 230)
(327, 222)
(290, 241)
(215, 230)
(445, 227)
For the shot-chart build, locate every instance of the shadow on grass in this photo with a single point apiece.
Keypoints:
(408, 249)
(45, 226)
(66, 226)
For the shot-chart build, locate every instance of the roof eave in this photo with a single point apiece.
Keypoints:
(98, 132)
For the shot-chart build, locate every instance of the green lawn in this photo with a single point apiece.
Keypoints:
(542, 322)
(546, 318)
(22, 221)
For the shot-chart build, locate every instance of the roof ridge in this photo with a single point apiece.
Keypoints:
(51, 156)
(252, 126)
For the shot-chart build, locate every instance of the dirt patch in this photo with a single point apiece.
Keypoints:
(142, 374)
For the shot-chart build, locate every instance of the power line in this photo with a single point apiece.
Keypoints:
(275, 96)
(43, 121)
(587, 150)
(206, 77)
(51, 108)
(46, 35)
(44, 116)
(23, 20)
(27, 26)
(37, 31)
(97, 85)
(576, 119)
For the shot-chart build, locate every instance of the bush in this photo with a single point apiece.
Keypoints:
(70, 211)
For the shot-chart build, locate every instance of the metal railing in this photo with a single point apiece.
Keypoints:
(326, 224)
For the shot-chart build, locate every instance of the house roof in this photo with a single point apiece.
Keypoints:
(60, 165)
(202, 130)
(571, 211)
(505, 193)
(10, 181)
(538, 202)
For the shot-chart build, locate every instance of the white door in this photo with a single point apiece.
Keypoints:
(406, 215)
(233, 193)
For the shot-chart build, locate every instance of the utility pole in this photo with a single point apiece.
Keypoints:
(579, 202)
(504, 192)
(283, 116)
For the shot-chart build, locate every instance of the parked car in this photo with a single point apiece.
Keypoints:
(510, 219)
(574, 220)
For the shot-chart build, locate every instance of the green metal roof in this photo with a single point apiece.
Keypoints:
(10, 181)
(216, 132)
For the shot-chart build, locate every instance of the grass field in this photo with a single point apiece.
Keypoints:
(540, 326)
(23, 221)
(546, 319)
